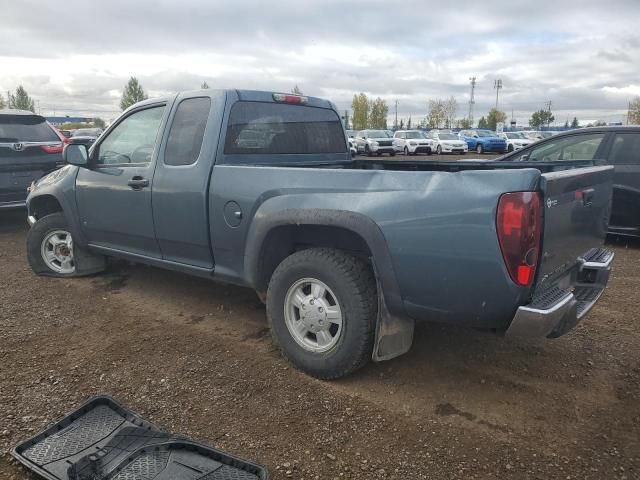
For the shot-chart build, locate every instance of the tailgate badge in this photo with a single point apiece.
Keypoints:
(17, 147)
(551, 203)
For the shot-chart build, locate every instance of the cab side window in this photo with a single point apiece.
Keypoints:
(626, 149)
(575, 147)
(187, 131)
(132, 141)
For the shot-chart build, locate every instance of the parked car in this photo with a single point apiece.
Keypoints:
(483, 141)
(352, 148)
(372, 142)
(448, 142)
(85, 136)
(515, 140)
(29, 149)
(618, 146)
(411, 142)
(346, 253)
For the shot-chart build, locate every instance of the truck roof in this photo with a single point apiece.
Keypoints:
(246, 95)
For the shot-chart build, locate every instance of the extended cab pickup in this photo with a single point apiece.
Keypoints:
(258, 189)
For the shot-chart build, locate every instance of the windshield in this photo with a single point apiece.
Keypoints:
(447, 136)
(415, 135)
(378, 134)
(485, 133)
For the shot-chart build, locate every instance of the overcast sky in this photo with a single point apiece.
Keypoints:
(583, 55)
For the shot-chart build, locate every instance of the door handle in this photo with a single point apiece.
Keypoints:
(587, 197)
(138, 183)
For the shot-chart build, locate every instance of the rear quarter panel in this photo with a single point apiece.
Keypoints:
(439, 228)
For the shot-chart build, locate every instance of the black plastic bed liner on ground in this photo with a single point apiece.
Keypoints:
(102, 440)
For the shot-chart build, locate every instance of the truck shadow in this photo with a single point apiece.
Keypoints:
(13, 220)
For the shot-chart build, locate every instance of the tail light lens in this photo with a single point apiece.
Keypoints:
(294, 99)
(519, 225)
(51, 148)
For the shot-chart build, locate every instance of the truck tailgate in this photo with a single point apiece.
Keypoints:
(577, 205)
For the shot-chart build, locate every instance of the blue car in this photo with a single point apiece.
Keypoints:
(483, 141)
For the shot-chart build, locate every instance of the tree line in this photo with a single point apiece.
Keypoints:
(367, 112)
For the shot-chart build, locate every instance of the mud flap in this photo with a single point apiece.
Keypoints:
(394, 334)
(103, 440)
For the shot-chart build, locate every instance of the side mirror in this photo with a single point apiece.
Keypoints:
(364, 138)
(76, 154)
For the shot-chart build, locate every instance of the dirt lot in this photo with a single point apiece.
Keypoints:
(196, 358)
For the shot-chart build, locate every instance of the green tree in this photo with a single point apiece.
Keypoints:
(409, 122)
(98, 123)
(566, 123)
(464, 123)
(133, 93)
(450, 107)
(378, 112)
(482, 123)
(296, 90)
(634, 111)
(541, 118)
(401, 126)
(2, 102)
(21, 100)
(360, 107)
(494, 117)
(204, 86)
(574, 123)
(436, 115)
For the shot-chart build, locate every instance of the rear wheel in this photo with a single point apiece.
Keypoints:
(322, 306)
(479, 149)
(406, 151)
(510, 148)
(439, 150)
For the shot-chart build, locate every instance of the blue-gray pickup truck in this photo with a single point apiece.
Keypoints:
(259, 189)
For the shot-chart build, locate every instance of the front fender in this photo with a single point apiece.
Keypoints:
(60, 184)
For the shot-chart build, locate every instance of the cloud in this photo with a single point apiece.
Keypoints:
(578, 54)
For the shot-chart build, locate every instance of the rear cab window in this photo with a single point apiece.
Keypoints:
(257, 129)
(626, 149)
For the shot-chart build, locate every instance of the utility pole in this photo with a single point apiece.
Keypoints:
(471, 100)
(497, 84)
(628, 113)
(395, 125)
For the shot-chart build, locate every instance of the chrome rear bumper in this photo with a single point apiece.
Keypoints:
(556, 311)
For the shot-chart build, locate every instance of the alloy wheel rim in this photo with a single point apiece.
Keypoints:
(313, 315)
(57, 251)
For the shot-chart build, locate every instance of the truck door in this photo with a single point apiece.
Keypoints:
(114, 194)
(181, 181)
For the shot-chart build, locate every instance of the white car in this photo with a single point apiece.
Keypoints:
(352, 148)
(447, 142)
(376, 142)
(515, 140)
(411, 142)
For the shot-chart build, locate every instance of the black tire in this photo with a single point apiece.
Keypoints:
(429, 151)
(479, 149)
(352, 280)
(393, 154)
(367, 151)
(406, 151)
(86, 263)
(510, 148)
(439, 150)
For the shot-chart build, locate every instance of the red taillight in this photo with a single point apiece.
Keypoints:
(284, 98)
(51, 148)
(519, 224)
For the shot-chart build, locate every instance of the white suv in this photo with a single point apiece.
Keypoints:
(445, 142)
(411, 142)
(515, 140)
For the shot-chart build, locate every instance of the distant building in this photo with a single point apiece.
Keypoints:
(67, 119)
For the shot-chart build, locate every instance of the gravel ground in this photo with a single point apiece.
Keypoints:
(195, 358)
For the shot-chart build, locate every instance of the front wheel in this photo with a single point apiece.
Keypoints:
(479, 149)
(51, 250)
(406, 152)
(510, 148)
(439, 150)
(322, 307)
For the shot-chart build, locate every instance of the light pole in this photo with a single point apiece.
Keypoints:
(497, 84)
